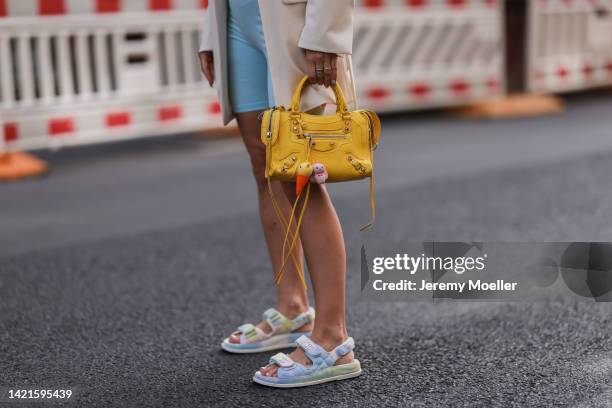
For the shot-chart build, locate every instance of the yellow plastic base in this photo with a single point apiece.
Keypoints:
(18, 165)
(513, 107)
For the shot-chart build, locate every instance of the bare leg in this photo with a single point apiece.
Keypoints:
(292, 298)
(323, 243)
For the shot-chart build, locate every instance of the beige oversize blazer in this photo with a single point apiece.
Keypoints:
(290, 26)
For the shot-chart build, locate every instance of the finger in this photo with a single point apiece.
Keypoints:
(327, 69)
(211, 73)
(208, 73)
(311, 72)
(334, 72)
(202, 62)
(320, 73)
(211, 68)
(207, 66)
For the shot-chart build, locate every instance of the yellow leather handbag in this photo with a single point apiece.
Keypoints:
(343, 143)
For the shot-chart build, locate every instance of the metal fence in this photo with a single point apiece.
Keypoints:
(416, 54)
(569, 45)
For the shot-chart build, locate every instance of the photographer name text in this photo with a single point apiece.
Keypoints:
(424, 285)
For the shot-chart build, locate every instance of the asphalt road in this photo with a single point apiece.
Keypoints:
(122, 270)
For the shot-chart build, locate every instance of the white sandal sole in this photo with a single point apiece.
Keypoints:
(309, 383)
(278, 342)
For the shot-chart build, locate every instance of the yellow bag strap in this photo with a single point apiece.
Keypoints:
(372, 203)
(284, 223)
(279, 275)
(372, 207)
(288, 234)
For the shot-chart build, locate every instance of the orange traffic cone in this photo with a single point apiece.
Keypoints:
(18, 165)
(304, 171)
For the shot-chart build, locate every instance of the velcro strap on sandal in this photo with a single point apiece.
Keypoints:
(344, 348)
(310, 348)
(282, 360)
(249, 331)
(303, 319)
(319, 356)
(276, 320)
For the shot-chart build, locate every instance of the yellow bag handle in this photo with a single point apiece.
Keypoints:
(297, 96)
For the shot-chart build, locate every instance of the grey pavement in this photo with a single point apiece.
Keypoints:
(121, 271)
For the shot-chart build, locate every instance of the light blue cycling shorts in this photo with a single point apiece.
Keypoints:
(250, 85)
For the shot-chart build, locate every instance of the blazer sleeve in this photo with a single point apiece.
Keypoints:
(206, 40)
(329, 26)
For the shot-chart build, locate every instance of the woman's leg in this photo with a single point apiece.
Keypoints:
(323, 244)
(249, 93)
(292, 298)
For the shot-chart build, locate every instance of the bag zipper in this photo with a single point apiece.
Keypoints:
(272, 110)
(269, 132)
(371, 132)
(323, 136)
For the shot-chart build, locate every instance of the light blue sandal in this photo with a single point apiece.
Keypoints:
(291, 374)
(255, 340)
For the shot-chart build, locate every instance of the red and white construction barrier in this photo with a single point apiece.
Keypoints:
(569, 45)
(88, 71)
(80, 79)
(411, 54)
(21, 8)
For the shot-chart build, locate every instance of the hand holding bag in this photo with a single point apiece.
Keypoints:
(343, 142)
